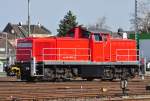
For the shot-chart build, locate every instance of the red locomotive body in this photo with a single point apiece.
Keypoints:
(79, 54)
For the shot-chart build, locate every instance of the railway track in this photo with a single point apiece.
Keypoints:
(57, 91)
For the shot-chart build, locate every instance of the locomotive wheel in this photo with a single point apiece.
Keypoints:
(108, 74)
(125, 74)
(48, 74)
(132, 73)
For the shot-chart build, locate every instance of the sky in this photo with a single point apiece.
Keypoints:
(49, 12)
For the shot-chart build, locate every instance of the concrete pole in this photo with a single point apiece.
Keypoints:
(136, 24)
(29, 18)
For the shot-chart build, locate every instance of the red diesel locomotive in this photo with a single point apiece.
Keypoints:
(79, 54)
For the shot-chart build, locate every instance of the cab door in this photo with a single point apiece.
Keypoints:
(97, 47)
(106, 47)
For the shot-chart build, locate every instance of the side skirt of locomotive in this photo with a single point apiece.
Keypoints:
(61, 71)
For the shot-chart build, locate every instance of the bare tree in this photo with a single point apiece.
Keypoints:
(143, 18)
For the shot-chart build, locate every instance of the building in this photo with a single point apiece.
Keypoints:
(7, 50)
(20, 30)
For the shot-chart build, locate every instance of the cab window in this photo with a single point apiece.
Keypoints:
(97, 37)
(85, 34)
(104, 37)
(71, 34)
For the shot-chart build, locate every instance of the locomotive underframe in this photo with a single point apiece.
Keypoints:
(60, 71)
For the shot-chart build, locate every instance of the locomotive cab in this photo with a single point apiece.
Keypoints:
(79, 32)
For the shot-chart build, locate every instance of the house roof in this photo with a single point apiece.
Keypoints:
(22, 30)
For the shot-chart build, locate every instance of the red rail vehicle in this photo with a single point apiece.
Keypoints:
(79, 54)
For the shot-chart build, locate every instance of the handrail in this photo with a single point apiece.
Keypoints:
(128, 54)
(70, 53)
(24, 54)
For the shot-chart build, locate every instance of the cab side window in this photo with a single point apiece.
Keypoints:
(85, 34)
(97, 37)
(71, 34)
(104, 37)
